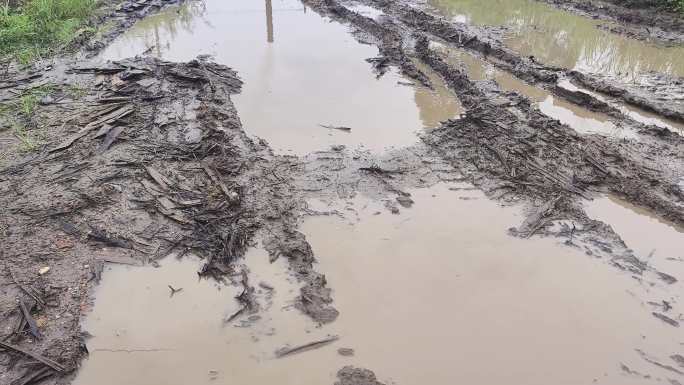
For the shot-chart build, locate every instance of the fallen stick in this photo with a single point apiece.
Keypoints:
(174, 290)
(54, 365)
(33, 327)
(23, 288)
(235, 315)
(341, 128)
(285, 351)
(36, 376)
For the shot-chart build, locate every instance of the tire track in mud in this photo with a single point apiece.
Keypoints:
(486, 41)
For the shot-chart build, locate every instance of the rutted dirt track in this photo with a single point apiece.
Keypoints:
(145, 158)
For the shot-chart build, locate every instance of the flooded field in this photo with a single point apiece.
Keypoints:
(561, 38)
(296, 81)
(423, 281)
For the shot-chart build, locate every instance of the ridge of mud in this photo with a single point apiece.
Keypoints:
(159, 165)
(648, 23)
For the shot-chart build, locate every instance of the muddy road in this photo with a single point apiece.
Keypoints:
(299, 191)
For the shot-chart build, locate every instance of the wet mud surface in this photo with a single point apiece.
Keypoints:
(639, 23)
(318, 243)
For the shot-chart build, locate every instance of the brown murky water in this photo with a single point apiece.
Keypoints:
(300, 70)
(564, 39)
(424, 296)
(658, 242)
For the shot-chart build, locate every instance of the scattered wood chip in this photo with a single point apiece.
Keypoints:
(287, 351)
(341, 128)
(44, 360)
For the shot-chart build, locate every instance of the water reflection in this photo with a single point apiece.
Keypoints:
(269, 21)
(561, 38)
(314, 74)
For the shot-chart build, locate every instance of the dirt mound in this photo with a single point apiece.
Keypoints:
(350, 375)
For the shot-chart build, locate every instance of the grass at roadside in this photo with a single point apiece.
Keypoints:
(35, 27)
(18, 117)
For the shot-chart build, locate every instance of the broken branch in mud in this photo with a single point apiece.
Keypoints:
(28, 290)
(33, 327)
(341, 128)
(666, 319)
(287, 351)
(44, 360)
(174, 290)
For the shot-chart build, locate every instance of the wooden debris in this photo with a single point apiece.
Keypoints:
(161, 180)
(213, 175)
(29, 291)
(54, 365)
(121, 260)
(36, 376)
(112, 116)
(341, 128)
(174, 290)
(666, 319)
(33, 327)
(112, 135)
(286, 351)
(233, 316)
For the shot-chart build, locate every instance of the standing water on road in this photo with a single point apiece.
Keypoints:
(301, 73)
(424, 297)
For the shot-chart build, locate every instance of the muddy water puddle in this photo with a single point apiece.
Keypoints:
(438, 294)
(301, 73)
(564, 39)
(658, 242)
(578, 118)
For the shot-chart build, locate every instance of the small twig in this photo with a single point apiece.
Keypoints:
(174, 291)
(285, 351)
(54, 365)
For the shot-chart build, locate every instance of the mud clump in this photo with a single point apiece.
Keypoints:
(350, 375)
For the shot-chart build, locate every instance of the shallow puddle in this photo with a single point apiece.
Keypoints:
(658, 242)
(424, 297)
(564, 39)
(301, 72)
(578, 118)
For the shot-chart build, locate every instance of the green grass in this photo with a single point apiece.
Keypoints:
(18, 117)
(38, 26)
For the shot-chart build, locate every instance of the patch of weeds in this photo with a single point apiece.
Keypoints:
(27, 102)
(37, 26)
(28, 142)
